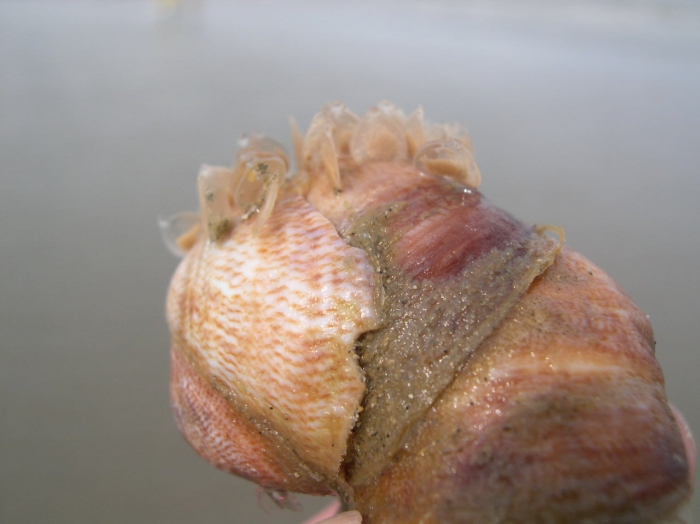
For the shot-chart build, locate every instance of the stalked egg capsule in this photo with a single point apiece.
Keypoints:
(379, 136)
(415, 132)
(257, 181)
(342, 123)
(259, 144)
(298, 141)
(180, 231)
(262, 167)
(328, 138)
(448, 157)
(391, 109)
(328, 158)
(215, 200)
(450, 130)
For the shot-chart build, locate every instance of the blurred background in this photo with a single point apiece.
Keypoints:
(584, 115)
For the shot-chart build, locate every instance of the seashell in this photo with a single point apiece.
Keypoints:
(373, 327)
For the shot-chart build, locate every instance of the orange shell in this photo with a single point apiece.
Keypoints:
(270, 321)
(374, 328)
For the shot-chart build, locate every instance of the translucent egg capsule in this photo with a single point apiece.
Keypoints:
(342, 123)
(258, 186)
(392, 110)
(449, 158)
(415, 132)
(379, 136)
(451, 130)
(180, 231)
(262, 167)
(259, 144)
(319, 152)
(328, 138)
(214, 185)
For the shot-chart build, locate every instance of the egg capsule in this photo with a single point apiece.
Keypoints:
(415, 132)
(262, 168)
(214, 185)
(379, 136)
(180, 232)
(448, 157)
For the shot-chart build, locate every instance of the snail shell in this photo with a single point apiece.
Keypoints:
(373, 327)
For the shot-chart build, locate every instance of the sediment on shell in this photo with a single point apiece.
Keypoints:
(452, 266)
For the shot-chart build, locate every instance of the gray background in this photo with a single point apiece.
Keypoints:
(585, 115)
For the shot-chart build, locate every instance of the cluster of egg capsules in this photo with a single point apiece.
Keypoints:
(337, 139)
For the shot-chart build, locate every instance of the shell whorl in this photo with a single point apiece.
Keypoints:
(266, 318)
(371, 325)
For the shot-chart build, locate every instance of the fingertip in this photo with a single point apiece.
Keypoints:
(347, 517)
(325, 514)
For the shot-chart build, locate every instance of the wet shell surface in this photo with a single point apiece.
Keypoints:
(370, 325)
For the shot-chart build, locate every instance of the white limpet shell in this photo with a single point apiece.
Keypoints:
(262, 167)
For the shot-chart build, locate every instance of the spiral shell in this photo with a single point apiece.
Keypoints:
(372, 326)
